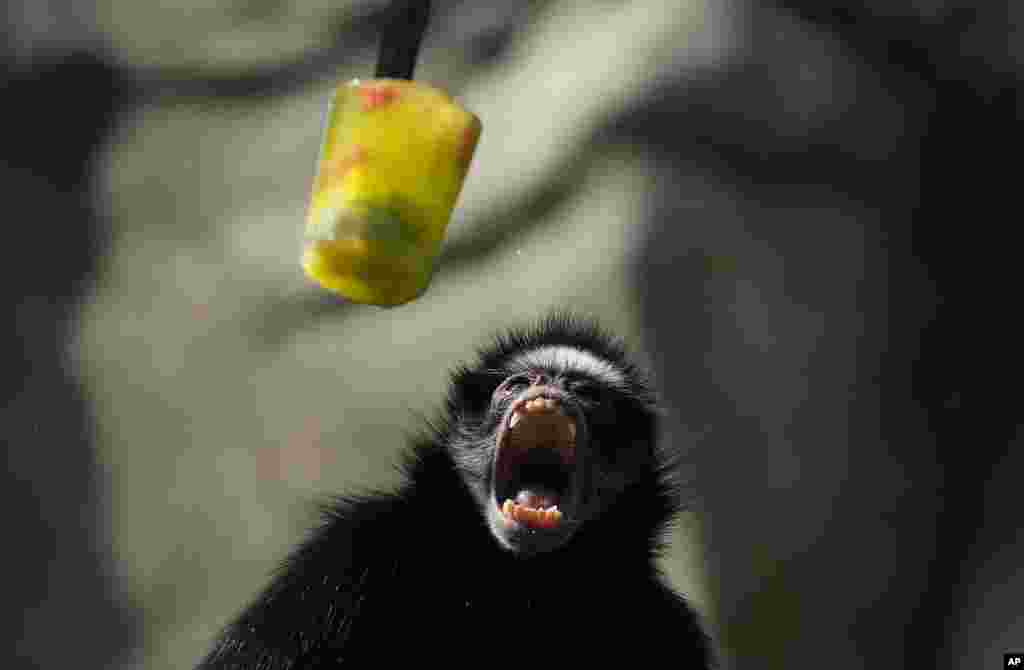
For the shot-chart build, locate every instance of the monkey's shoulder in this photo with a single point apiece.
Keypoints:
(316, 595)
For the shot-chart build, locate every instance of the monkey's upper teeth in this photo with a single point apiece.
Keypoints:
(547, 425)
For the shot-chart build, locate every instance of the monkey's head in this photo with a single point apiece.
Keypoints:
(548, 429)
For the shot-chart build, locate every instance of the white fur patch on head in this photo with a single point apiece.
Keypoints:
(564, 358)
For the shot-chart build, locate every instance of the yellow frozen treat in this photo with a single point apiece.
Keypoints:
(394, 155)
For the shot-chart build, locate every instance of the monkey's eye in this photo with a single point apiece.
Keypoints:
(586, 390)
(513, 384)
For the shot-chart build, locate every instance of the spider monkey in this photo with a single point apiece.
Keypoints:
(525, 531)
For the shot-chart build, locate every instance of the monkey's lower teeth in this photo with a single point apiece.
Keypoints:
(529, 516)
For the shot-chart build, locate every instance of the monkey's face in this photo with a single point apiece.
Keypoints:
(560, 433)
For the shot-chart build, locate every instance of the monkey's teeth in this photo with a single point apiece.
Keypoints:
(539, 405)
(546, 406)
(529, 516)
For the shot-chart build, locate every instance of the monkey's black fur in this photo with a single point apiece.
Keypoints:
(417, 576)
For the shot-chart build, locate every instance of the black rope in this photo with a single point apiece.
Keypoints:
(400, 38)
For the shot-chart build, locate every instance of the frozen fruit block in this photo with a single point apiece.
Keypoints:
(393, 159)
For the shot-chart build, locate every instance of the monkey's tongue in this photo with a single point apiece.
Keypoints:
(537, 497)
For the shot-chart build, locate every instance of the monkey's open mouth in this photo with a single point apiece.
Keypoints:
(533, 469)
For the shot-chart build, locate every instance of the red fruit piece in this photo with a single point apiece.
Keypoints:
(377, 96)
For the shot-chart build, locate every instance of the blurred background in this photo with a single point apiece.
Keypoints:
(798, 213)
